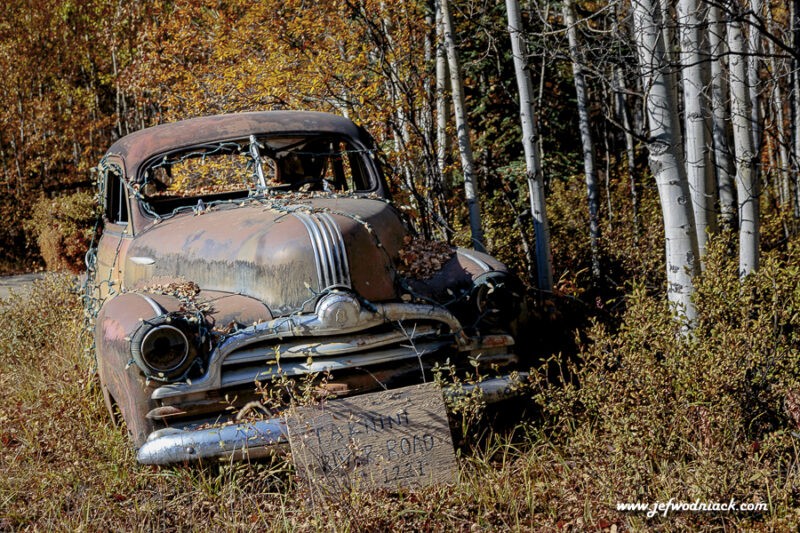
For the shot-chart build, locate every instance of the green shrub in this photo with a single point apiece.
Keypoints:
(651, 413)
(63, 228)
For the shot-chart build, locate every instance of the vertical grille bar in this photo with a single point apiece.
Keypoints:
(330, 254)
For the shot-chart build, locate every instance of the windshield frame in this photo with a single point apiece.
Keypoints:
(367, 159)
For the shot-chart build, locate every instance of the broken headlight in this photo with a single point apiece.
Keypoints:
(497, 297)
(163, 348)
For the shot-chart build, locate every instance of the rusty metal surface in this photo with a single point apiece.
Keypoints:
(122, 384)
(270, 255)
(137, 147)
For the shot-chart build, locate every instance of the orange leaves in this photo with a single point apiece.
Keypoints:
(422, 259)
(205, 57)
(186, 290)
(77, 75)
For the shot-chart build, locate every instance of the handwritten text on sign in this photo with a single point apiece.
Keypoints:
(386, 439)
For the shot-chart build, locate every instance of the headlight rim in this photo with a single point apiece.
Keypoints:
(148, 360)
(174, 372)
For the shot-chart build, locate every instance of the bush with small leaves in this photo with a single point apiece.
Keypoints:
(63, 228)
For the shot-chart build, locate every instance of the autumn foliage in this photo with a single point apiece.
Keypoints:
(75, 76)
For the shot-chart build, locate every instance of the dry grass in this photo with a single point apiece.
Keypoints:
(654, 418)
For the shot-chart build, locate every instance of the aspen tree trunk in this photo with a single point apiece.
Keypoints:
(587, 143)
(607, 138)
(697, 170)
(719, 118)
(442, 140)
(746, 178)
(623, 111)
(754, 51)
(462, 130)
(777, 100)
(426, 115)
(665, 160)
(542, 76)
(630, 147)
(795, 27)
(530, 145)
(671, 58)
(441, 96)
(400, 131)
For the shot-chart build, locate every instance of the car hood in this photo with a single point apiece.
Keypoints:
(281, 253)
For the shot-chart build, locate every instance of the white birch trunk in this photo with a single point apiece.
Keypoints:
(426, 114)
(442, 139)
(697, 170)
(778, 101)
(630, 147)
(665, 161)
(623, 111)
(795, 27)
(746, 179)
(587, 143)
(462, 131)
(441, 96)
(720, 118)
(671, 58)
(530, 145)
(753, 61)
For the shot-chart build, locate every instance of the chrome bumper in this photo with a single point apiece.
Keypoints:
(259, 438)
(237, 441)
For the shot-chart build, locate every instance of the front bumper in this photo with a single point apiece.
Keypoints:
(235, 441)
(262, 437)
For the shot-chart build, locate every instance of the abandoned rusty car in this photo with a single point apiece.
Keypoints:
(242, 249)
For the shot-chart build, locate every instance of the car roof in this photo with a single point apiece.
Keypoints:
(141, 145)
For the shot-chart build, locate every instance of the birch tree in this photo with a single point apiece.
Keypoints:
(587, 143)
(753, 59)
(778, 101)
(697, 169)
(530, 146)
(630, 148)
(745, 156)
(664, 155)
(462, 129)
(442, 112)
(623, 112)
(795, 30)
(441, 97)
(719, 117)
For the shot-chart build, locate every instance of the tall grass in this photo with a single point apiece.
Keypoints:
(641, 415)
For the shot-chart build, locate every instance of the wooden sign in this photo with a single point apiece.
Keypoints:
(390, 439)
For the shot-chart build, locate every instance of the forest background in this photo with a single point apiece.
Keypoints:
(655, 376)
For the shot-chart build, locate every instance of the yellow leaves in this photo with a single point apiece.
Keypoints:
(74, 76)
(422, 259)
(279, 54)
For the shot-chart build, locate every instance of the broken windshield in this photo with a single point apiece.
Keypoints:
(254, 166)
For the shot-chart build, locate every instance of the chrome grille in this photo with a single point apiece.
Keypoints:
(327, 354)
(330, 254)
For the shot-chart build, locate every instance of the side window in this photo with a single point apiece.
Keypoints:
(343, 167)
(355, 169)
(116, 208)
